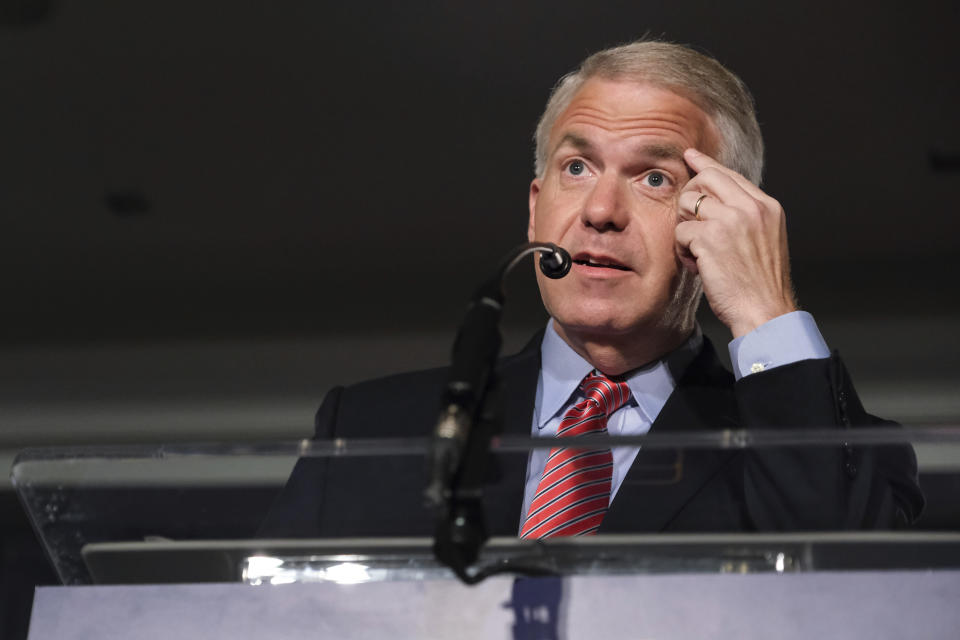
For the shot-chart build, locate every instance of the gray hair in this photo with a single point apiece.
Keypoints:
(699, 78)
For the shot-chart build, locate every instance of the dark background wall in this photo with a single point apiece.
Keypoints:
(206, 204)
(213, 211)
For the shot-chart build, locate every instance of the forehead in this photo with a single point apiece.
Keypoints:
(626, 109)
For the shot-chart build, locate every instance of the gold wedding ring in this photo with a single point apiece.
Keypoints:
(696, 207)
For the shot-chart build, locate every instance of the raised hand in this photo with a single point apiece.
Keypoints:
(737, 243)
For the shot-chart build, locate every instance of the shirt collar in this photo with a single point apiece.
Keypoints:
(562, 370)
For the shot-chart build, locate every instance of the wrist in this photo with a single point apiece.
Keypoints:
(785, 339)
(748, 322)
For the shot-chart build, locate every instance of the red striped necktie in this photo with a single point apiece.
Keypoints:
(574, 491)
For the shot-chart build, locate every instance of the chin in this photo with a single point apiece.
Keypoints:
(613, 318)
(603, 319)
(607, 327)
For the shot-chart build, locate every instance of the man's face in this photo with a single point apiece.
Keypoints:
(609, 196)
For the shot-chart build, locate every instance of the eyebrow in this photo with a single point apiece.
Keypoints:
(578, 142)
(654, 151)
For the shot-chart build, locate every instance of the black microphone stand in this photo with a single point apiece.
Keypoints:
(461, 442)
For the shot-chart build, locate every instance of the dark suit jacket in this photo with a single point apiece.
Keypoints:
(697, 490)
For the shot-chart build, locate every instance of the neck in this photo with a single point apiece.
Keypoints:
(616, 354)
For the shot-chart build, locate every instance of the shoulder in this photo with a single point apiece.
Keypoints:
(400, 385)
(395, 405)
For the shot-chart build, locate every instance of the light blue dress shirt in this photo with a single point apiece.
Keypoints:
(788, 338)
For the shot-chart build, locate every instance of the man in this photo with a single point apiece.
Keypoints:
(647, 165)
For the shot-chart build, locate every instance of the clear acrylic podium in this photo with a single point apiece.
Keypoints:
(180, 515)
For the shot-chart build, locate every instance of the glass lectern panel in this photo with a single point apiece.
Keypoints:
(356, 510)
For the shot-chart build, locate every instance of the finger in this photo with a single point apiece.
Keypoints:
(722, 186)
(698, 161)
(687, 205)
(710, 207)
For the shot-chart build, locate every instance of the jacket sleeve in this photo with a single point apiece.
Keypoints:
(821, 487)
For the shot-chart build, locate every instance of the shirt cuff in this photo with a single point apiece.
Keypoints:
(785, 339)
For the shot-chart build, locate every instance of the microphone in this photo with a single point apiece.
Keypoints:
(457, 463)
(475, 352)
(555, 264)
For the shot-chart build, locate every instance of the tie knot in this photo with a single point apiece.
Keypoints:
(608, 395)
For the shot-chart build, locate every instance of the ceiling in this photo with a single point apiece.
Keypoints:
(205, 169)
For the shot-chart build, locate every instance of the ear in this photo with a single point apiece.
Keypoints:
(531, 226)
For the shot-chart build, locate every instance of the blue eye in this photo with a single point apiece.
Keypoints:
(656, 179)
(577, 167)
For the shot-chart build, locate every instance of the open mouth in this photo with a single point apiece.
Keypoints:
(602, 262)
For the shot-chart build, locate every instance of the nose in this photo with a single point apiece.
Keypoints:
(605, 208)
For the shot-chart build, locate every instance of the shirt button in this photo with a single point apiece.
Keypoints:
(757, 367)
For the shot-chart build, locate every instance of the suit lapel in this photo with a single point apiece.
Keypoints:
(660, 483)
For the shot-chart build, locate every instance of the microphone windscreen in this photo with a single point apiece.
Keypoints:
(556, 264)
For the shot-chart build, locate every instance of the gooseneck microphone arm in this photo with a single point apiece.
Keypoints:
(456, 464)
(474, 353)
(555, 262)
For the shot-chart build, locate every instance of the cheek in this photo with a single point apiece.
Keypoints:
(662, 229)
(550, 216)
